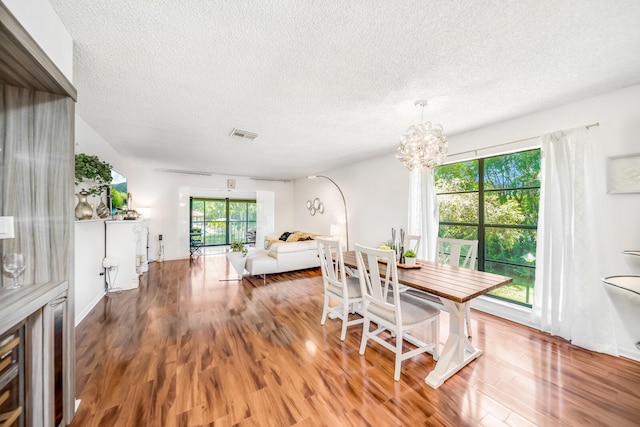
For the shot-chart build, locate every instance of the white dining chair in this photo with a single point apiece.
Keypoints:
(459, 253)
(392, 310)
(412, 242)
(337, 285)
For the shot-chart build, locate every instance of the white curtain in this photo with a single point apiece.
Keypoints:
(569, 299)
(423, 212)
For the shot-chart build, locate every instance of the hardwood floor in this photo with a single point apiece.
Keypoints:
(187, 349)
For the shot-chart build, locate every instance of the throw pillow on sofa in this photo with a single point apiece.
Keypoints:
(293, 237)
(285, 236)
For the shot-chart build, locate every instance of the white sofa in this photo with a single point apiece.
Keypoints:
(283, 256)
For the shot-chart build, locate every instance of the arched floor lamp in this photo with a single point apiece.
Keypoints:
(346, 218)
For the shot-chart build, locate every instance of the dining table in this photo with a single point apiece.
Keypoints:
(455, 287)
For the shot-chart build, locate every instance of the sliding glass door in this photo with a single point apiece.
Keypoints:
(218, 222)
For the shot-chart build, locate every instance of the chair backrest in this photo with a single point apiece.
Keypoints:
(412, 242)
(376, 285)
(332, 264)
(457, 252)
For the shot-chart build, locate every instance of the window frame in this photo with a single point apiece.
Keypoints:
(228, 221)
(481, 226)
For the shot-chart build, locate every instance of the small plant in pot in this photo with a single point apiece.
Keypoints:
(93, 171)
(410, 257)
(238, 246)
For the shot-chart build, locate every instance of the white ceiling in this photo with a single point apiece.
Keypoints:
(326, 83)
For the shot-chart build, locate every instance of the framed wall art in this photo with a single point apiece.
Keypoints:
(623, 174)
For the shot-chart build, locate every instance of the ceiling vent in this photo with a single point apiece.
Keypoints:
(244, 134)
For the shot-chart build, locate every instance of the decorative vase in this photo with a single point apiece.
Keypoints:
(409, 261)
(102, 210)
(84, 210)
(238, 261)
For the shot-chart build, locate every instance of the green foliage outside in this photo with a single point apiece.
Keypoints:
(211, 216)
(118, 199)
(511, 188)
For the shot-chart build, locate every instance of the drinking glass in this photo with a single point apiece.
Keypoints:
(14, 264)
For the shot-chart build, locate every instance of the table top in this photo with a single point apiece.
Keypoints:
(453, 283)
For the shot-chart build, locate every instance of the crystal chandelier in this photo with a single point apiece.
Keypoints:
(422, 146)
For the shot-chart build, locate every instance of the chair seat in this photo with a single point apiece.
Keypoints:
(393, 311)
(414, 310)
(338, 285)
(353, 288)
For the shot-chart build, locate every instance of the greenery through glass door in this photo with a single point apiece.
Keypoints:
(222, 221)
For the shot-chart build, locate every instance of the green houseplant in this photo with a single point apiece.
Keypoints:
(410, 254)
(238, 246)
(92, 170)
(410, 257)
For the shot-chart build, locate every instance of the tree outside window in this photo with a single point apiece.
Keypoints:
(495, 200)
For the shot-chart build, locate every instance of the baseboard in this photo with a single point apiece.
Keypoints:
(629, 354)
(88, 308)
(504, 310)
(522, 315)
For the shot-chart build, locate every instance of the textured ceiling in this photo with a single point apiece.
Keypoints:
(326, 83)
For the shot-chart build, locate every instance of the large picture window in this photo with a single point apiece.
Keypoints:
(495, 200)
(217, 222)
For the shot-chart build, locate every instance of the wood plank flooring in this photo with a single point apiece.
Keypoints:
(187, 349)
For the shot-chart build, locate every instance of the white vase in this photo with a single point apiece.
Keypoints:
(409, 261)
(238, 261)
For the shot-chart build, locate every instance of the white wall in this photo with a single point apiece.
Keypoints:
(376, 190)
(46, 28)
(89, 274)
(167, 195)
(88, 141)
(90, 235)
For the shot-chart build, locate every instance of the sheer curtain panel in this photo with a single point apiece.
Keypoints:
(569, 299)
(423, 211)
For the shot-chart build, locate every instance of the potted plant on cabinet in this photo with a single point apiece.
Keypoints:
(238, 257)
(96, 176)
(410, 258)
(93, 171)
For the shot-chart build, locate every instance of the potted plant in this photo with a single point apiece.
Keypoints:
(238, 257)
(238, 246)
(410, 257)
(93, 171)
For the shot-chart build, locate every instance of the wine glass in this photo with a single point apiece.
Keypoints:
(14, 264)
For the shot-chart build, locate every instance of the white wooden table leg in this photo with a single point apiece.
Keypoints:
(458, 350)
